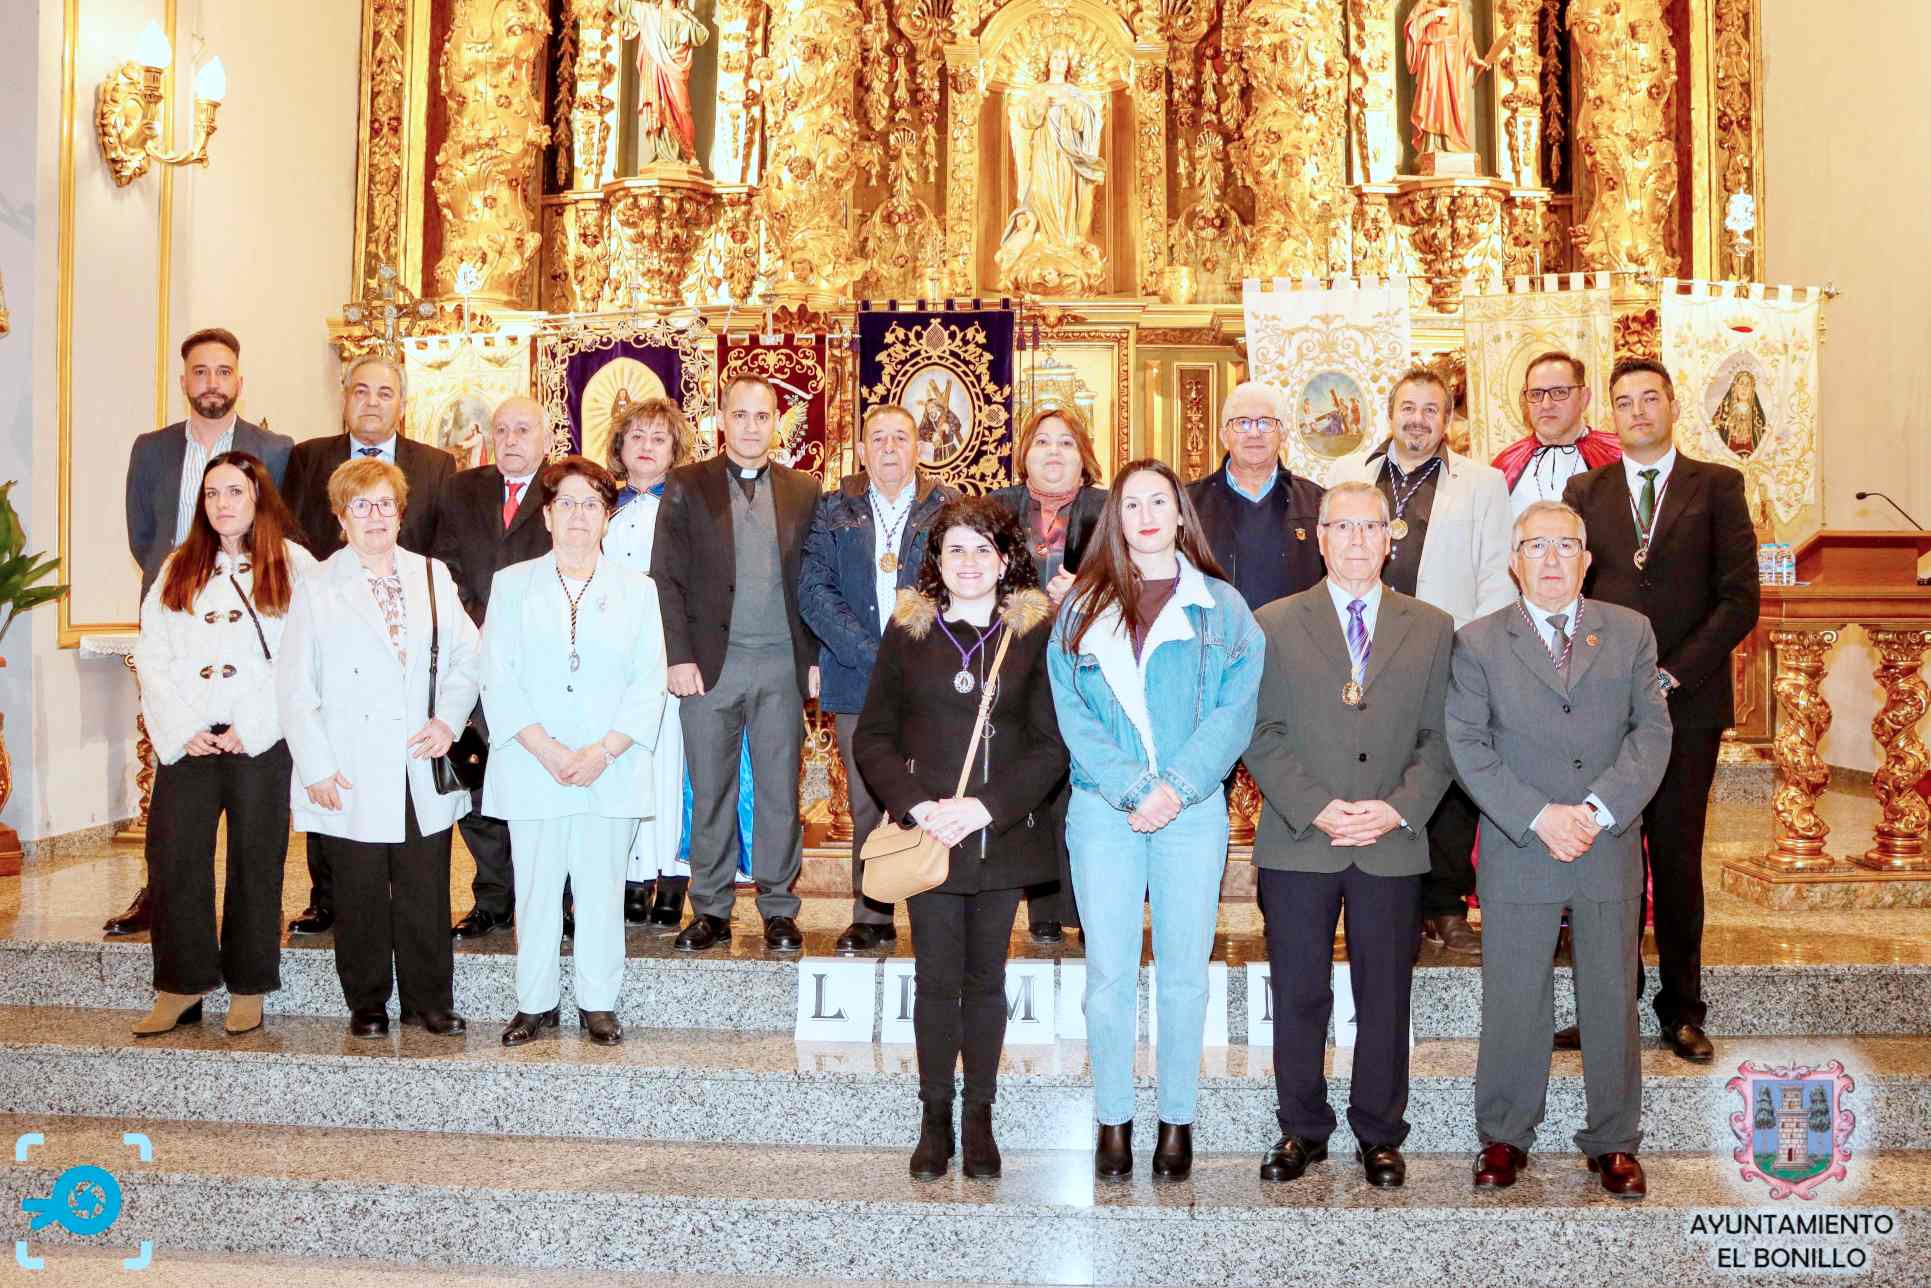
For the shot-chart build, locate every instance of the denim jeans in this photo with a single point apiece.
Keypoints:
(1116, 870)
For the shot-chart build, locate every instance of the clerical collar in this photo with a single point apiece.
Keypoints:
(747, 472)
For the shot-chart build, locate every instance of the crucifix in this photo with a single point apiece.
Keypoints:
(397, 308)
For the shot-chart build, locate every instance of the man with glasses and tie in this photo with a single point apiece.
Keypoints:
(1558, 729)
(1259, 516)
(1672, 539)
(1559, 445)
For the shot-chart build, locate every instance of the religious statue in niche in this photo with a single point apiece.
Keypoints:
(667, 34)
(1056, 126)
(1443, 60)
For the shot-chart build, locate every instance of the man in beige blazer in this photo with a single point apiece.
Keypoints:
(1449, 548)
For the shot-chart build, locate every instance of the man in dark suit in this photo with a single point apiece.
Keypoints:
(1351, 759)
(1671, 538)
(730, 542)
(164, 481)
(1258, 515)
(1558, 730)
(487, 519)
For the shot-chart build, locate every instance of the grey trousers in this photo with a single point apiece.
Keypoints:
(867, 812)
(756, 698)
(1518, 1021)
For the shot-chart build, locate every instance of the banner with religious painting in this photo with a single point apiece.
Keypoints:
(455, 383)
(798, 365)
(1333, 352)
(589, 369)
(1508, 331)
(954, 372)
(1744, 362)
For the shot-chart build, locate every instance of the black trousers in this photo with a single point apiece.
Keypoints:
(190, 796)
(1451, 856)
(1301, 910)
(1673, 828)
(394, 906)
(1053, 901)
(959, 944)
(488, 840)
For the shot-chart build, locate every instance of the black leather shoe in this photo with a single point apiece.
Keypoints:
(601, 1027)
(637, 902)
(368, 1024)
(667, 908)
(865, 937)
(781, 934)
(570, 920)
(138, 917)
(1113, 1154)
(1048, 932)
(1173, 1152)
(1383, 1165)
(1291, 1157)
(313, 921)
(1689, 1042)
(442, 1024)
(705, 931)
(479, 923)
(524, 1027)
(1569, 1039)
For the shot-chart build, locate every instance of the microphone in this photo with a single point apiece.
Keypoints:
(1865, 496)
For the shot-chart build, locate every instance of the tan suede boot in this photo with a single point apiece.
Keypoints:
(170, 1009)
(244, 1013)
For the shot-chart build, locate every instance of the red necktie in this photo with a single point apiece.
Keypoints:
(509, 503)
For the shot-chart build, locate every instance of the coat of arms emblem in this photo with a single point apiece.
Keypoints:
(1793, 1131)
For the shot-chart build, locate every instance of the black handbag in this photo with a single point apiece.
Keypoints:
(461, 768)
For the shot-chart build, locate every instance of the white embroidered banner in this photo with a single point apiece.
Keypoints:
(1333, 351)
(1506, 332)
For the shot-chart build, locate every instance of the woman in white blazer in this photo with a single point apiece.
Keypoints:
(647, 440)
(573, 690)
(211, 627)
(353, 686)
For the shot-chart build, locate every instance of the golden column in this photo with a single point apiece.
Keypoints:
(1802, 775)
(1625, 133)
(962, 166)
(1293, 147)
(487, 169)
(811, 106)
(1900, 833)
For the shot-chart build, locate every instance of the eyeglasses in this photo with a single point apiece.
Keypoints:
(1554, 393)
(1348, 529)
(1539, 547)
(362, 505)
(588, 506)
(1255, 424)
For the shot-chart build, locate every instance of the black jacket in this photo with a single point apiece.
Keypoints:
(1081, 523)
(911, 740)
(1296, 500)
(1698, 586)
(470, 538)
(427, 469)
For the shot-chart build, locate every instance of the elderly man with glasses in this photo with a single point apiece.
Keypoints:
(1560, 445)
(1260, 518)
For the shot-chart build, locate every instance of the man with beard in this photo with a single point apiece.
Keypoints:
(1555, 394)
(164, 480)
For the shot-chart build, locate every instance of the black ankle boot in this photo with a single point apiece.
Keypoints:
(981, 1150)
(934, 1149)
(1173, 1153)
(1113, 1156)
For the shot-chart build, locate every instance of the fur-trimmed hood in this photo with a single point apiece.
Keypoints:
(1023, 610)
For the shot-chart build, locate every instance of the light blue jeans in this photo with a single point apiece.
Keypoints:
(1116, 870)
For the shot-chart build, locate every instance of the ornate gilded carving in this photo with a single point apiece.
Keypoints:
(487, 167)
(901, 242)
(577, 257)
(1519, 89)
(1292, 149)
(1243, 808)
(1733, 92)
(1210, 238)
(1802, 775)
(1555, 98)
(1448, 220)
(1522, 234)
(1639, 335)
(1149, 94)
(811, 103)
(384, 137)
(1195, 396)
(591, 118)
(1373, 233)
(736, 251)
(1626, 133)
(1371, 90)
(1900, 833)
(656, 224)
(962, 164)
(737, 137)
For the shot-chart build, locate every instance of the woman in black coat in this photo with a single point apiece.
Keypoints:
(976, 586)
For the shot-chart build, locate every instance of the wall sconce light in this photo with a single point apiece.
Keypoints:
(6, 322)
(128, 110)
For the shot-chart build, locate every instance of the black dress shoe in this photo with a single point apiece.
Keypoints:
(313, 921)
(479, 923)
(570, 920)
(369, 1024)
(601, 1026)
(1689, 1042)
(1048, 932)
(637, 902)
(705, 931)
(667, 908)
(864, 937)
(138, 917)
(1383, 1165)
(1291, 1157)
(1113, 1154)
(442, 1024)
(781, 934)
(1173, 1152)
(524, 1027)
(1569, 1038)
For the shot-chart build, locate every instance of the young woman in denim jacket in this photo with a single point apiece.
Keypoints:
(1156, 664)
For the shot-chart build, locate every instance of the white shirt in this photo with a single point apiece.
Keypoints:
(1544, 477)
(193, 465)
(1633, 471)
(1540, 617)
(1371, 607)
(888, 529)
(522, 483)
(359, 450)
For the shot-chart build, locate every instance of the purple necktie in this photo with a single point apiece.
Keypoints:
(1359, 645)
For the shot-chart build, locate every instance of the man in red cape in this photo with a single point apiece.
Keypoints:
(1560, 446)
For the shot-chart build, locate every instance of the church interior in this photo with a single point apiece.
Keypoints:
(977, 209)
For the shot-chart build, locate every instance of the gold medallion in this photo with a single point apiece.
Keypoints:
(1642, 557)
(1591, 639)
(1351, 693)
(1300, 534)
(1398, 529)
(888, 562)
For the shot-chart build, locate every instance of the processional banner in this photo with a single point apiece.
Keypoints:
(1745, 367)
(953, 371)
(455, 384)
(1334, 352)
(797, 366)
(589, 369)
(1506, 332)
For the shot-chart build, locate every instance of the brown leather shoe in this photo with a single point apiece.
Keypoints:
(1497, 1164)
(1569, 1038)
(1689, 1042)
(1621, 1174)
(1565, 954)
(138, 917)
(1454, 934)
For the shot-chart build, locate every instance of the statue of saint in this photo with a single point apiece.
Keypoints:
(1056, 128)
(667, 35)
(1443, 61)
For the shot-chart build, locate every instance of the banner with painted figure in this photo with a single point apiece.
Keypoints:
(798, 365)
(1333, 351)
(587, 370)
(1508, 331)
(953, 371)
(455, 383)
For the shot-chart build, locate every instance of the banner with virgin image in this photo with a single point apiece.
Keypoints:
(953, 370)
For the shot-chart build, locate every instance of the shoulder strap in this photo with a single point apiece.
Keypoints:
(435, 633)
(986, 698)
(251, 617)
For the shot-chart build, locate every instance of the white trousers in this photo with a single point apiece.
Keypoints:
(654, 852)
(591, 851)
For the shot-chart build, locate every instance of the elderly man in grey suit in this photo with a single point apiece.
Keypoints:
(1559, 730)
(1351, 757)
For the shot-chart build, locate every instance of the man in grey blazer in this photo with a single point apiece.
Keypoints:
(1351, 758)
(164, 481)
(1559, 730)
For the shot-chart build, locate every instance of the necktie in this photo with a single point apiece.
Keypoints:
(1559, 643)
(1646, 504)
(1359, 645)
(368, 451)
(509, 503)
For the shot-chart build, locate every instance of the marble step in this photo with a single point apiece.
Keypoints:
(785, 1214)
(754, 1089)
(748, 989)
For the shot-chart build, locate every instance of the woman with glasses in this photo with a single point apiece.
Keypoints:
(210, 629)
(573, 689)
(365, 721)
